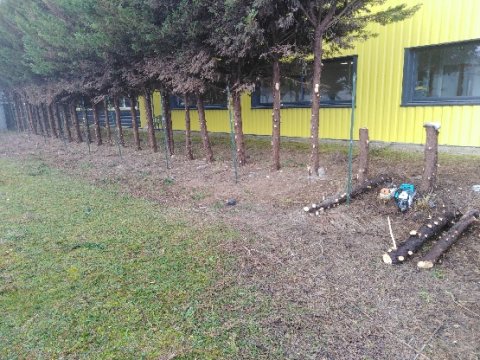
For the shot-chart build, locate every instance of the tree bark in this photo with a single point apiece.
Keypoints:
(96, 124)
(26, 118)
(448, 240)
(23, 115)
(188, 131)
(26, 123)
(203, 128)
(133, 112)
(86, 123)
(29, 116)
(36, 121)
(52, 121)
(32, 118)
(414, 243)
(66, 122)
(167, 111)
(58, 120)
(44, 114)
(152, 141)
(238, 127)
(363, 145)
(315, 116)
(118, 120)
(39, 120)
(429, 177)
(276, 115)
(107, 120)
(16, 110)
(342, 197)
(76, 123)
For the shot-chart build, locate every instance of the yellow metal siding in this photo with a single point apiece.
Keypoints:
(379, 86)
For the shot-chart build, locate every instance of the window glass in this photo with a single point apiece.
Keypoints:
(296, 86)
(448, 71)
(443, 73)
(214, 98)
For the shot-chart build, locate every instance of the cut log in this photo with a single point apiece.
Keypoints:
(429, 229)
(341, 198)
(363, 144)
(448, 240)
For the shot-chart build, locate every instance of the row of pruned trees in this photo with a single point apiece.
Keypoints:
(56, 54)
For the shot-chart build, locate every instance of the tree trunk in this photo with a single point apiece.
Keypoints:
(96, 124)
(51, 120)
(315, 117)
(276, 115)
(429, 177)
(107, 120)
(203, 128)
(414, 243)
(44, 114)
(167, 111)
(76, 123)
(341, 198)
(118, 120)
(152, 141)
(448, 240)
(38, 120)
(16, 110)
(23, 115)
(58, 121)
(29, 116)
(32, 118)
(66, 122)
(188, 131)
(238, 125)
(363, 145)
(133, 112)
(41, 120)
(86, 123)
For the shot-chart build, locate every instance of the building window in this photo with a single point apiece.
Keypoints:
(442, 74)
(213, 98)
(296, 87)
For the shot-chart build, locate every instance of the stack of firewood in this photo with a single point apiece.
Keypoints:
(431, 229)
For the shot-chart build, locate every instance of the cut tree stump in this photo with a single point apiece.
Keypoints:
(429, 229)
(341, 198)
(363, 145)
(430, 168)
(448, 239)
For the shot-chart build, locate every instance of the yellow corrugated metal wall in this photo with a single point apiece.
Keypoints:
(379, 86)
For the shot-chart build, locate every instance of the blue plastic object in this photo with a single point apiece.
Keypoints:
(404, 196)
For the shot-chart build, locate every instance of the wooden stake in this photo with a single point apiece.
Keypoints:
(429, 178)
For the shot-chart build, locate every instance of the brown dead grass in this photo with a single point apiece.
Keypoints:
(332, 297)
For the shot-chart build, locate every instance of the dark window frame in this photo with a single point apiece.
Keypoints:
(175, 105)
(410, 74)
(256, 104)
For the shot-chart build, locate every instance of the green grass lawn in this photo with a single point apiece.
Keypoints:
(90, 273)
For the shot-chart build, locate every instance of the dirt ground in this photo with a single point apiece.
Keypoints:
(331, 294)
